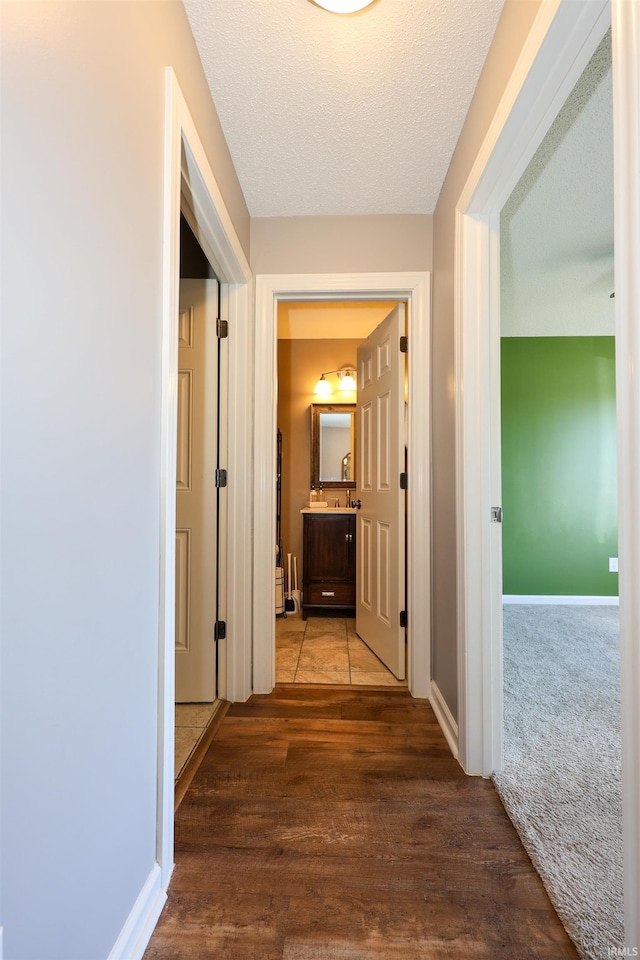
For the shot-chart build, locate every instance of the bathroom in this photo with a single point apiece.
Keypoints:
(316, 338)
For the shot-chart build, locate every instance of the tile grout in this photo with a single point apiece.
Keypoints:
(350, 673)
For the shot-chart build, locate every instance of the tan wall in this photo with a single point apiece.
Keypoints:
(300, 363)
(514, 25)
(341, 244)
(83, 125)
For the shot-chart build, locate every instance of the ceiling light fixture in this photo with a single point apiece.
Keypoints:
(342, 6)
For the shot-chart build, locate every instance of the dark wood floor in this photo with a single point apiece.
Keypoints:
(335, 825)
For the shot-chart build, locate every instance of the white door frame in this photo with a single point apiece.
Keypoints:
(563, 38)
(188, 177)
(415, 288)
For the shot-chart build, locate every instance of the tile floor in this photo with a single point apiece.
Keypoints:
(326, 650)
(192, 720)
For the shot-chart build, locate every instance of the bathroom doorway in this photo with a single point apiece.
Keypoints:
(415, 290)
(316, 638)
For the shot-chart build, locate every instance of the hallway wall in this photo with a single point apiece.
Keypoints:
(511, 34)
(341, 244)
(83, 116)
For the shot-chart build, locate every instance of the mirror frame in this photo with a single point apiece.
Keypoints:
(316, 410)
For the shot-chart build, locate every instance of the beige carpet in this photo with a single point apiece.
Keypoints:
(562, 781)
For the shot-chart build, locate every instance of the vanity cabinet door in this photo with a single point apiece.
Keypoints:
(329, 561)
(327, 546)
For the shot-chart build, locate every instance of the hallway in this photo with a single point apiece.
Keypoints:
(335, 825)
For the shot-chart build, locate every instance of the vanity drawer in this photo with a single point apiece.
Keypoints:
(338, 593)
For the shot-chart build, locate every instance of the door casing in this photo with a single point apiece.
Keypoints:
(415, 289)
(563, 38)
(189, 182)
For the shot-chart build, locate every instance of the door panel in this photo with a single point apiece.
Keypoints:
(185, 416)
(380, 555)
(183, 591)
(365, 428)
(196, 500)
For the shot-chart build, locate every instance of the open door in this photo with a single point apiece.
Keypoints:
(196, 493)
(380, 552)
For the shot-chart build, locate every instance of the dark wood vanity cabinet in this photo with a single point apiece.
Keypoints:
(329, 564)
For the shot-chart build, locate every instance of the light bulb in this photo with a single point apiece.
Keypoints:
(342, 6)
(347, 382)
(323, 387)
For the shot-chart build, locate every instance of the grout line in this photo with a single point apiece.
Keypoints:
(300, 651)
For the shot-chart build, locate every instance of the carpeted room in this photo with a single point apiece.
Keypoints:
(561, 783)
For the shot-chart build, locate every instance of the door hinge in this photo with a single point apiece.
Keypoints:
(222, 328)
(496, 514)
(220, 630)
(403, 618)
(404, 344)
(404, 481)
(221, 478)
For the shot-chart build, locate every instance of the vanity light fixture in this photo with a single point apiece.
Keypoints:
(342, 6)
(323, 387)
(346, 376)
(347, 380)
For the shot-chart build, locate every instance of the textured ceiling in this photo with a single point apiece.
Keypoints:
(557, 226)
(330, 115)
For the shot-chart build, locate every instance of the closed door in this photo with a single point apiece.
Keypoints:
(196, 496)
(380, 554)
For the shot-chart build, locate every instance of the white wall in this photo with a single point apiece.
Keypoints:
(82, 172)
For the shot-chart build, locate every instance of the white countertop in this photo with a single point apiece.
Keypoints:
(328, 510)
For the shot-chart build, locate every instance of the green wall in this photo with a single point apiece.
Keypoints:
(559, 465)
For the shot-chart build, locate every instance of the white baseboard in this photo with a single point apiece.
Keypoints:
(136, 933)
(445, 718)
(554, 599)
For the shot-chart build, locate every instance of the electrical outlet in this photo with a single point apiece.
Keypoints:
(613, 564)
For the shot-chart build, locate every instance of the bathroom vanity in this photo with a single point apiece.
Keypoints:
(329, 561)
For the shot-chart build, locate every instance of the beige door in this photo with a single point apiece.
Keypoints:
(380, 540)
(196, 499)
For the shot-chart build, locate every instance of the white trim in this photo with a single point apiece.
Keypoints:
(444, 717)
(235, 651)
(561, 42)
(554, 600)
(415, 289)
(136, 933)
(626, 162)
(479, 542)
(187, 171)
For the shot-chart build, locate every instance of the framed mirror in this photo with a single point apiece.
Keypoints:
(333, 447)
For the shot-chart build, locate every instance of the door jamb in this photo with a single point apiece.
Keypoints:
(415, 288)
(562, 40)
(188, 175)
